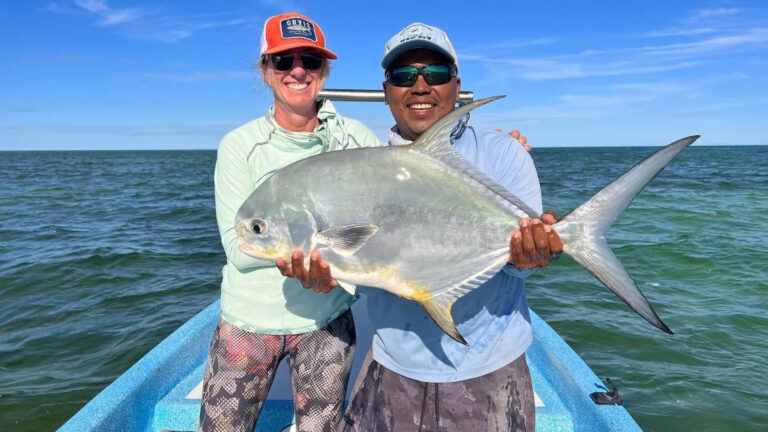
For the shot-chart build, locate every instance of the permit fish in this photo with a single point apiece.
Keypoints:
(422, 222)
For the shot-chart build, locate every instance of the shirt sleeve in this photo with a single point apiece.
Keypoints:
(233, 185)
(513, 168)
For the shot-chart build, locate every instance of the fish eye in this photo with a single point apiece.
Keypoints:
(259, 226)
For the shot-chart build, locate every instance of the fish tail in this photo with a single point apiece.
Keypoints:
(439, 309)
(583, 230)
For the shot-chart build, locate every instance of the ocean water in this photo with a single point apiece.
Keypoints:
(103, 254)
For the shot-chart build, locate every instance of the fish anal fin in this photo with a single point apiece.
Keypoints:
(438, 306)
(439, 309)
(345, 240)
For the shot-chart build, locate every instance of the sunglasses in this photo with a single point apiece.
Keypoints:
(284, 61)
(406, 76)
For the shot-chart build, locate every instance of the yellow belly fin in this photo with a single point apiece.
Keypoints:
(439, 309)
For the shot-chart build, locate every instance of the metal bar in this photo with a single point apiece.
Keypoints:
(374, 95)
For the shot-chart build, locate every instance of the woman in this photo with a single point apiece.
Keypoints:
(265, 316)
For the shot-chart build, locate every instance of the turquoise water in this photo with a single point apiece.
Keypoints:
(103, 254)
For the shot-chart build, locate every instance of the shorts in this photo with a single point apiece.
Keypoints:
(241, 366)
(383, 400)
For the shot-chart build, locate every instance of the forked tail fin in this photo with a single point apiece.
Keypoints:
(583, 230)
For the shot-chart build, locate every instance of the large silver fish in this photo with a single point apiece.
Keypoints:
(422, 222)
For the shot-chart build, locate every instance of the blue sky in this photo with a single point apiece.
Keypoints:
(118, 74)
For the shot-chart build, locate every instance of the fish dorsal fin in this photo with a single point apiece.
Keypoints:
(347, 239)
(438, 137)
(438, 307)
(436, 141)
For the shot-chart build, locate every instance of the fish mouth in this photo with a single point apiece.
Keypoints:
(250, 250)
(270, 254)
(242, 231)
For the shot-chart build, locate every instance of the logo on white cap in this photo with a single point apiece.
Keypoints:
(416, 31)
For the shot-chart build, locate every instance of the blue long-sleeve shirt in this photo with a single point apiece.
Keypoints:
(493, 318)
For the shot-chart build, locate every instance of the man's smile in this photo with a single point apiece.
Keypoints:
(421, 106)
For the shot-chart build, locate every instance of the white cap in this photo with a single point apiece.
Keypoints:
(418, 35)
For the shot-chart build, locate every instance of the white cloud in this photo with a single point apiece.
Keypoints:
(629, 61)
(109, 16)
(97, 6)
(679, 99)
(655, 87)
(58, 8)
(149, 24)
(601, 102)
(679, 32)
(708, 47)
(709, 13)
(519, 43)
(602, 70)
(556, 68)
(721, 106)
(174, 29)
(119, 17)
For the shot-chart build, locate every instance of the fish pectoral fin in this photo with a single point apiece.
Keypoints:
(439, 309)
(347, 239)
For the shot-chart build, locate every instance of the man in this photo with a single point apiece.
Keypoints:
(416, 377)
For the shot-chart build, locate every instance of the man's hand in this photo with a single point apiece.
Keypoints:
(519, 138)
(535, 243)
(317, 278)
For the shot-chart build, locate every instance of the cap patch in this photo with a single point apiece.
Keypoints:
(415, 32)
(297, 28)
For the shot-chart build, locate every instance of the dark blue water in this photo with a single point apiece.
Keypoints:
(103, 254)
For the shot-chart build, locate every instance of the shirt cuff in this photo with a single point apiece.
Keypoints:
(351, 289)
(515, 272)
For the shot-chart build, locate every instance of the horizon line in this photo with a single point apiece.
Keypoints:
(214, 149)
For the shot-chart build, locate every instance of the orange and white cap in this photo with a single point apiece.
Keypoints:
(292, 30)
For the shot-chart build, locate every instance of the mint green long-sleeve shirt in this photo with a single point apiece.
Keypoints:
(254, 295)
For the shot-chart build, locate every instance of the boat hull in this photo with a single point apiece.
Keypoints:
(162, 390)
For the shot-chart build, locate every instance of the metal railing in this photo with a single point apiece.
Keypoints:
(374, 95)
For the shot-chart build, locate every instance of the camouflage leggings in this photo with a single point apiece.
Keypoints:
(383, 400)
(241, 366)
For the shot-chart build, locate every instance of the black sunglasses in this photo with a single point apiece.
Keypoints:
(284, 61)
(406, 76)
